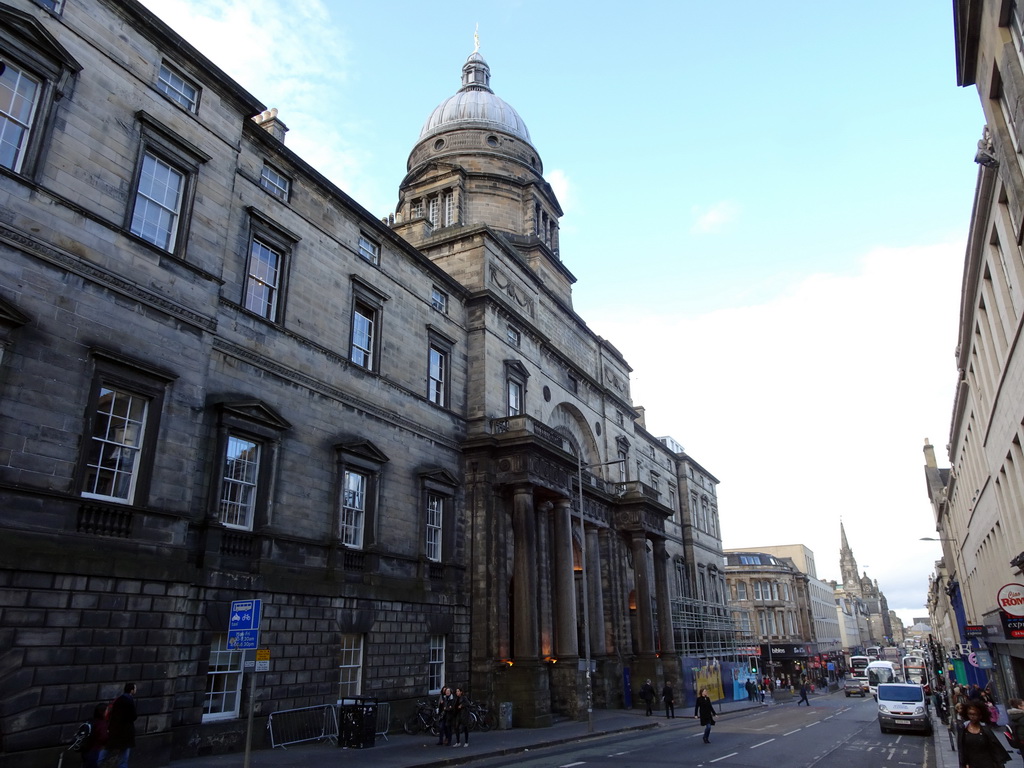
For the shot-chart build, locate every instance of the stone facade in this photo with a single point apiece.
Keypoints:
(222, 379)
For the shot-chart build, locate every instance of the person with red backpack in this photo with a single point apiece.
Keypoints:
(121, 728)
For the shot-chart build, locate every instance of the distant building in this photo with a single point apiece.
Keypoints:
(879, 624)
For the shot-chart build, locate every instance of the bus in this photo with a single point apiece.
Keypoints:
(882, 672)
(914, 670)
(873, 652)
(857, 683)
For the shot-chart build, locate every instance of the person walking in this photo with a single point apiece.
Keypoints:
(705, 710)
(460, 717)
(647, 695)
(804, 687)
(1015, 721)
(94, 748)
(121, 728)
(669, 697)
(976, 744)
(444, 708)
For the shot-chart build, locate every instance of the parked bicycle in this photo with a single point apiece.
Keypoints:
(481, 718)
(425, 718)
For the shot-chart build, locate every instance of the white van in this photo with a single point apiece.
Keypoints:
(882, 672)
(903, 706)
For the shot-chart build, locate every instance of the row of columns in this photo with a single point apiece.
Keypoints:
(542, 627)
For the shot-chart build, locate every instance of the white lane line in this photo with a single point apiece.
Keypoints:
(816, 722)
(792, 732)
(570, 765)
(762, 743)
(731, 754)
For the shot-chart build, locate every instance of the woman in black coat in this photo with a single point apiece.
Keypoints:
(977, 746)
(706, 712)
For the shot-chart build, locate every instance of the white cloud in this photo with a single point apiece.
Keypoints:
(712, 219)
(559, 182)
(815, 406)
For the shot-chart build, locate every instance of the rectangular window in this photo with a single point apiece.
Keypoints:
(741, 590)
(350, 666)
(435, 519)
(449, 209)
(515, 397)
(238, 488)
(353, 508)
(432, 206)
(513, 337)
(745, 623)
(416, 212)
(438, 376)
(574, 385)
(158, 202)
(112, 462)
(263, 279)
(275, 182)
(436, 672)
(369, 250)
(223, 681)
(19, 93)
(439, 300)
(364, 321)
(179, 90)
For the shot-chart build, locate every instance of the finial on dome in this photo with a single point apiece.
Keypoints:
(476, 38)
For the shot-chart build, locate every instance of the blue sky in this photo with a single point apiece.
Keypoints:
(766, 207)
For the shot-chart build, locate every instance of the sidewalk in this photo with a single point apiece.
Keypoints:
(403, 751)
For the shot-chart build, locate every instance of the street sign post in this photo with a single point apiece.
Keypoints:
(244, 625)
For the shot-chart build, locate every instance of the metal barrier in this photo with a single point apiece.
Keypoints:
(292, 726)
(383, 720)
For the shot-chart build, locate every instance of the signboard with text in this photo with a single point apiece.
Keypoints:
(244, 625)
(1013, 626)
(1010, 599)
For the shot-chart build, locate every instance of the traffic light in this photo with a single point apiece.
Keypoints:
(752, 664)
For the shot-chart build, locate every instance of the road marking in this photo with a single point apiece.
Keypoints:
(792, 732)
(762, 743)
(570, 765)
(731, 754)
(816, 722)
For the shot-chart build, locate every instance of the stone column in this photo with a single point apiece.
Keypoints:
(595, 591)
(645, 626)
(563, 576)
(546, 564)
(524, 532)
(661, 595)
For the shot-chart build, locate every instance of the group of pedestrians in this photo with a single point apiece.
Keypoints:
(453, 711)
(111, 736)
(668, 696)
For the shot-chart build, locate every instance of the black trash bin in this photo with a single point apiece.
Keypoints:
(357, 722)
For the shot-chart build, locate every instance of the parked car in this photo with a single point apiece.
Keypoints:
(903, 706)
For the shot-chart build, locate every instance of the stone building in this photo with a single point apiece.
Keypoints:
(861, 587)
(979, 500)
(223, 379)
(771, 609)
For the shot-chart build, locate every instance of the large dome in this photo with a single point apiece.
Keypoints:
(474, 105)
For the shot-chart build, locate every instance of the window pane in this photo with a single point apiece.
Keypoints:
(369, 250)
(274, 182)
(435, 519)
(179, 90)
(263, 282)
(362, 335)
(436, 663)
(18, 94)
(238, 491)
(515, 398)
(350, 666)
(437, 376)
(353, 508)
(157, 203)
(113, 452)
(223, 681)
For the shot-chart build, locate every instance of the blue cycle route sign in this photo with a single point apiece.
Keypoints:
(244, 625)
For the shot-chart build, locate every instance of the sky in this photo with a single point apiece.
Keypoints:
(765, 207)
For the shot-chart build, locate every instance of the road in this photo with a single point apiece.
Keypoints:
(833, 733)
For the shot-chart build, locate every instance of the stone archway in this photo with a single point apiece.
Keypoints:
(568, 421)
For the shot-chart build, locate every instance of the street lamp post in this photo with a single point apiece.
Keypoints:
(584, 589)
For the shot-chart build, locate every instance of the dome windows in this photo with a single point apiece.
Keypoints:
(492, 140)
(439, 144)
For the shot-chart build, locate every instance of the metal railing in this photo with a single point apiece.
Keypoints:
(293, 726)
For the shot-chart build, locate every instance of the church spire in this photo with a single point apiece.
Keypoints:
(848, 564)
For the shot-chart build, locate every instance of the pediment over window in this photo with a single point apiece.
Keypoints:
(11, 316)
(255, 411)
(364, 449)
(622, 444)
(39, 46)
(516, 368)
(441, 476)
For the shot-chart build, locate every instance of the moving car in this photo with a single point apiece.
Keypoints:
(903, 706)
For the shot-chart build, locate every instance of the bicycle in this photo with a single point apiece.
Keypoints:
(425, 718)
(481, 718)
